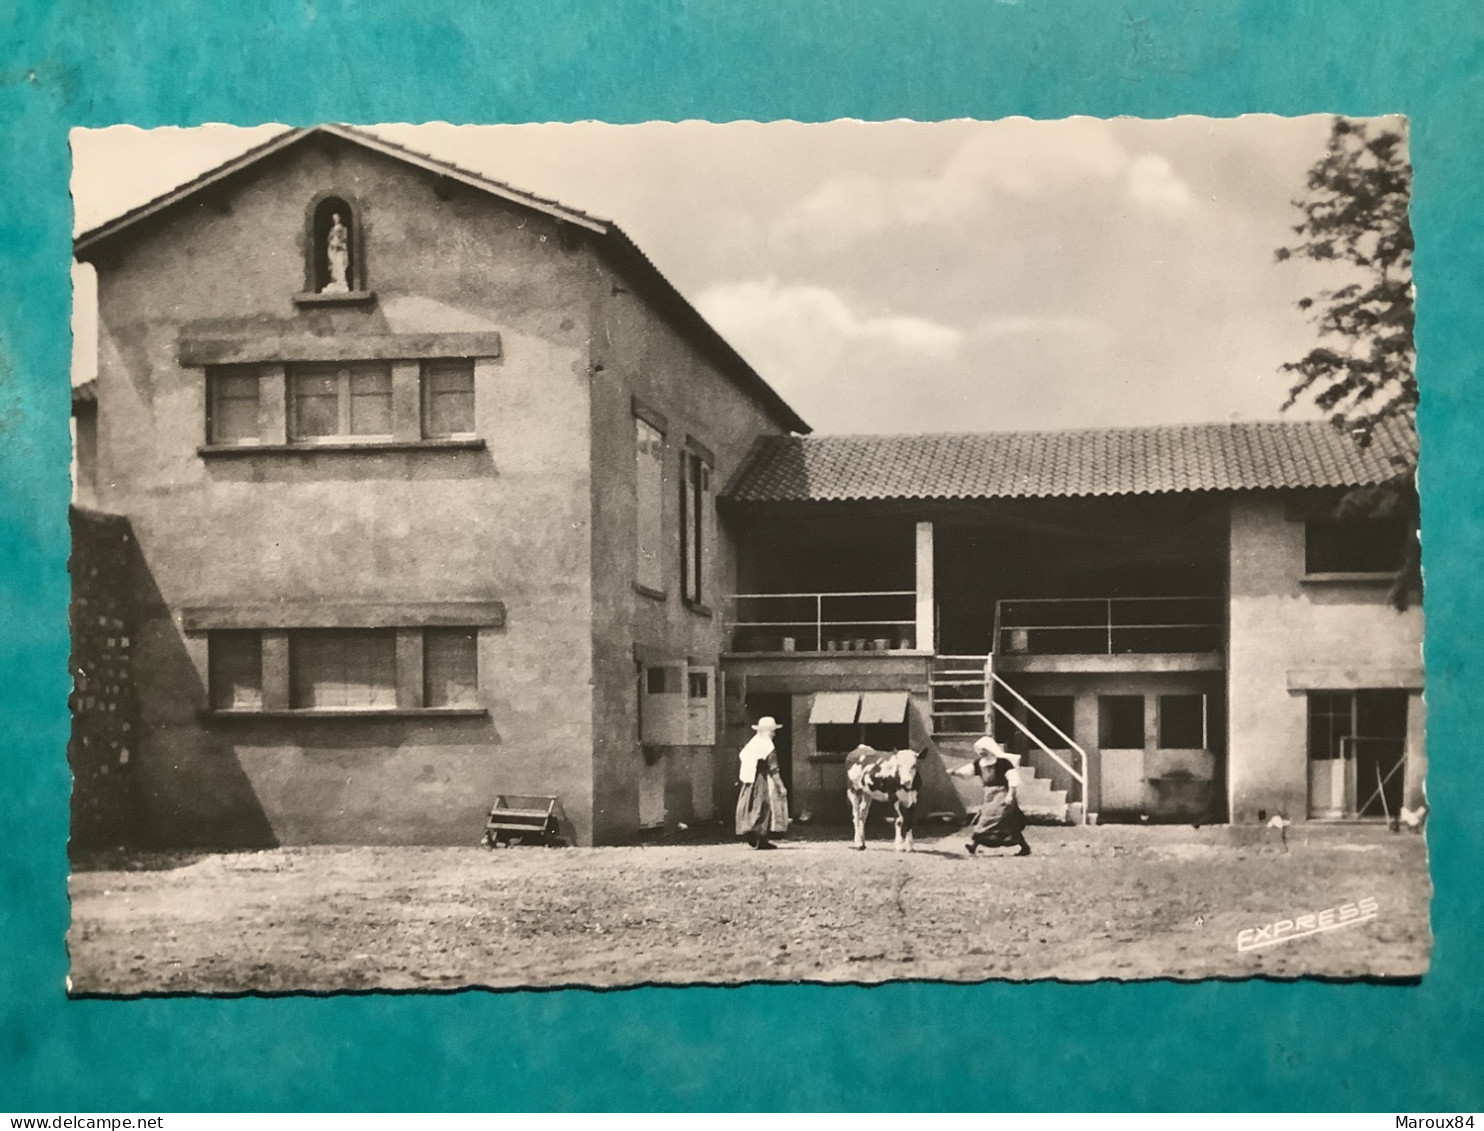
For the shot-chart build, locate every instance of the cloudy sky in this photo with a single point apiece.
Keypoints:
(910, 277)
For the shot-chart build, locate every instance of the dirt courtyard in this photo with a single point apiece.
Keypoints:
(1120, 902)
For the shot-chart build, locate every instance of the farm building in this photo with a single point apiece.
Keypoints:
(410, 489)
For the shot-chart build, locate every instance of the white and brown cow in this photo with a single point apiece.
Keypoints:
(875, 775)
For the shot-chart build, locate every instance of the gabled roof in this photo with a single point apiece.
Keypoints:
(608, 238)
(1088, 462)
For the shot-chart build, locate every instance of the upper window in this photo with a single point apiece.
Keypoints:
(695, 535)
(335, 401)
(232, 404)
(649, 468)
(448, 398)
(1182, 722)
(1120, 722)
(1373, 545)
(334, 260)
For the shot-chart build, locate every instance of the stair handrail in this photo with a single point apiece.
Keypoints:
(1025, 730)
(993, 680)
(1072, 744)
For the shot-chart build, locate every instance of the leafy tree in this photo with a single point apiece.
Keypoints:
(1363, 371)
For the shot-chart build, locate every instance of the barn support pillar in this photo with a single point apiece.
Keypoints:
(926, 641)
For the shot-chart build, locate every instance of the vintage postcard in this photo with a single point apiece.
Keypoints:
(554, 555)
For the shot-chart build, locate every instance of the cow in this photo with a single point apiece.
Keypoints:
(874, 775)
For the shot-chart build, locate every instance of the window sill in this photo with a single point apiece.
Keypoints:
(1347, 577)
(235, 714)
(646, 591)
(340, 298)
(343, 446)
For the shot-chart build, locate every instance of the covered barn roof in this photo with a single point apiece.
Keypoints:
(1086, 462)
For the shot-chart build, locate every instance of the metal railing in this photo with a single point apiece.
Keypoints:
(1108, 626)
(993, 681)
(955, 682)
(866, 621)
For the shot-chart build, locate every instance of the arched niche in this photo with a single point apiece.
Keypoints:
(334, 264)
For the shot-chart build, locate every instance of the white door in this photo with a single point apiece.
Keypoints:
(1123, 780)
(652, 794)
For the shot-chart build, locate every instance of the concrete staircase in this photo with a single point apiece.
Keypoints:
(1039, 800)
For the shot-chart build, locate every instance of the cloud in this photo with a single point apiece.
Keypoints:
(807, 319)
(1152, 181)
(1040, 326)
(820, 352)
(1017, 159)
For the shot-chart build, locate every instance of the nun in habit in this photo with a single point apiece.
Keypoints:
(762, 806)
(999, 823)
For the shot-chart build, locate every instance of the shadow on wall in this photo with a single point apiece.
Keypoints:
(128, 789)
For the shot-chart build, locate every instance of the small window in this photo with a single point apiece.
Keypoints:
(343, 669)
(842, 738)
(1121, 722)
(662, 680)
(1182, 722)
(333, 401)
(1354, 545)
(885, 736)
(235, 660)
(695, 507)
(232, 412)
(700, 685)
(836, 738)
(448, 398)
(649, 468)
(450, 667)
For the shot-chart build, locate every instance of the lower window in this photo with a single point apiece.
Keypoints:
(331, 670)
(351, 670)
(1182, 722)
(1121, 722)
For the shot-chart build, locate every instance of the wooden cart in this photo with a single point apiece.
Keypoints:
(525, 819)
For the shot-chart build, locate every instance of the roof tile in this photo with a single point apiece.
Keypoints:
(1090, 462)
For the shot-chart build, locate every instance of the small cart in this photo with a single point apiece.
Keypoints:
(525, 819)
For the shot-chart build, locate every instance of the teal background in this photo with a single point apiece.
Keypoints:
(1109, 1046)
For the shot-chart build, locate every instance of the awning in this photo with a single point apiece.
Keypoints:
(834, 707)
(883, 706)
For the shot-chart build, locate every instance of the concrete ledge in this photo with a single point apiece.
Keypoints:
(1348, 578)
(342, 298)
(1355, 679)
(341, 614)
(234, 715)
(343, 447)
(1120, 664)
(286, 348)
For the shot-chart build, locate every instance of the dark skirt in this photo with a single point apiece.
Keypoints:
(762, 807)
(999, 821)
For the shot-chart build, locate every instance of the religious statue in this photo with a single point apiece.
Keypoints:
(337, 252)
